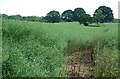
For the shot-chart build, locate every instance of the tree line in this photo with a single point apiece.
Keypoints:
(24, 18)
(101, 15)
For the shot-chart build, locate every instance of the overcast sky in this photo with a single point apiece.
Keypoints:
(42, 7)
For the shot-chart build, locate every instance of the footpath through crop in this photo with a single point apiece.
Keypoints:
(79, 64)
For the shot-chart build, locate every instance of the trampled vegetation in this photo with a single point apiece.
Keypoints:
(35, 49)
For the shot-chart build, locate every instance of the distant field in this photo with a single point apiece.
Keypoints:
(34, 49)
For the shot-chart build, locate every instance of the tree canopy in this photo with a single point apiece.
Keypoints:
(68, 16)
(53, 16)
(15, 17)
(102, 14)
(98, 16)
(85, 19)
(77, 13)
(4, 16)
(107, 12)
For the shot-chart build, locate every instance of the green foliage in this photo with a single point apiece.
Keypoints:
(116, 20)
(15, 17)
(99, 24)
(16, 29)
(77, 13)
(98, 16)
(102, 14)
(106, 53)
(32, 49)
(68, 16)
(24, 18)
(30, 58)
(107, 12)
(53, 16)
(33, 53)
(106, 58)
(4, 16)
(85, 19)
(33, 18)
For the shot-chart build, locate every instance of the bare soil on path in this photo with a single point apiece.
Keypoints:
(79, 64)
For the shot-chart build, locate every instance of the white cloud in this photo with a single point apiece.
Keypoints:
(42, 7)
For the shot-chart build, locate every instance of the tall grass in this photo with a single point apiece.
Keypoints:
(29, 52)
(106, 52)
(33, 49)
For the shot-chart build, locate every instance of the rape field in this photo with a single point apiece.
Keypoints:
(35, 49)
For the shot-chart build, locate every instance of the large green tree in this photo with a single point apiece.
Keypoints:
(77, 13)
(107, 12)
(68, 16)
(53, 16)
(85, 19)
(98, 16)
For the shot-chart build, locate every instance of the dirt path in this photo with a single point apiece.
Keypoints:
(79, 64)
